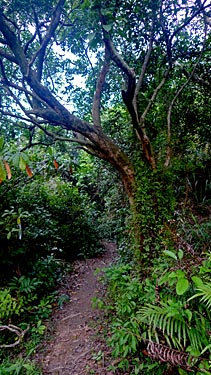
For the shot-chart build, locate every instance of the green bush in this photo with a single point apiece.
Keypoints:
(45, 217)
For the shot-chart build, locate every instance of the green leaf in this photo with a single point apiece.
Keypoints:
(107, 27)
(172, 275)
(3, 173)
(28, 366)
(197, 281)
(180, 274)
(189, 314)
(163, 279)
(16, 159)
(106, 12)
(22, 163)
(50, 150)
(91, 36)
(180, 254)
(182, 286)
(24, 157)
(1, 143)
(9, 235)
(205, 349)
(170, 254)
(182, 372)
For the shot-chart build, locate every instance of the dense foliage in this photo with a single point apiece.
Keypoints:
(143, 109)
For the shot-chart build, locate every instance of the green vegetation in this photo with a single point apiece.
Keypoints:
(160, 322)
(46, 222)
(125, 156)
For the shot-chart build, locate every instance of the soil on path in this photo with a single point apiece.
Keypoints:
(77, 346)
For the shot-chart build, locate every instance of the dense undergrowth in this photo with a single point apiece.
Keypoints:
(45, 224)
(160, 324)
(158, 306)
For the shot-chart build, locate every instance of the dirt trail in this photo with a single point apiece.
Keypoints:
(76, 346)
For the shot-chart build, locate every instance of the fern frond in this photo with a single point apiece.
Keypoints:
(165, 319)
(195, 339)
(174, 325)
(205, 294)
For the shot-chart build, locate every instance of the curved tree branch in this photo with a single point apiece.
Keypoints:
(202, 8)
(14, 329)
(99, 88)
(49, 34)
(145, 63)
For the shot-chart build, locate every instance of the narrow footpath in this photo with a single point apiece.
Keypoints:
(76, 345)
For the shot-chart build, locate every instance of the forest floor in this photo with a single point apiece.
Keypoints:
(76, 344)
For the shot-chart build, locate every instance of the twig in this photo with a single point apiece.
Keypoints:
(15, 330)
(70, 316)
(82, 355)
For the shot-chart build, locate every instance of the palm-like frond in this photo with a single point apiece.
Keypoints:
(172, 323)
(204, 291)
(167, 320)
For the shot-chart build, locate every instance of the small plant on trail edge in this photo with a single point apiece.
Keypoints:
(19, 367)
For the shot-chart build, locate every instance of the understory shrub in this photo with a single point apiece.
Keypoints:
(45, 217)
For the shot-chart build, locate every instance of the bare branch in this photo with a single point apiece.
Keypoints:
(201, 9)
(16, 116)
(31, 144)
(18, 102)
(145, 63)
(49, 34)
(116, 57)
(8, 56)
(128, 96)
(99, 88)
(29, 42)
(37, 25)
(19, 332)
(14, 44)
(168, 154)
(56, 137)
(168, 40)
(153, 97)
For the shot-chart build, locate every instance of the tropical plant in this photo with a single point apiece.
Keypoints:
(181, 327)
(203, 291)
(9, 306)
(164, 317)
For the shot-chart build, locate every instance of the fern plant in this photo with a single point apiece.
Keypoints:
(181, 327)
(204, 291)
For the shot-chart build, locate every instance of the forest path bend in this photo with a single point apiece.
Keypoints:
(75, 343)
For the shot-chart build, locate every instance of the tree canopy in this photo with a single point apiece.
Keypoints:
(147, 53)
